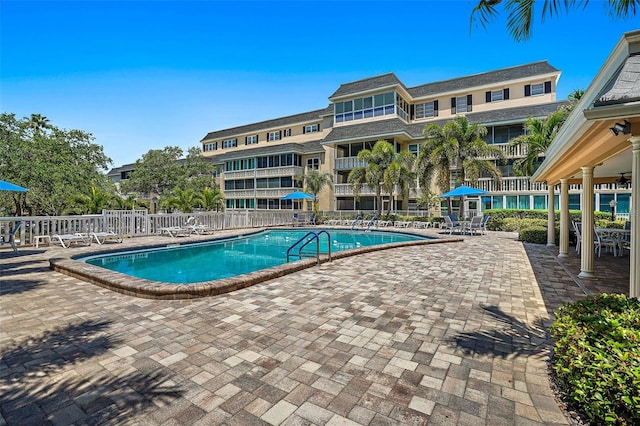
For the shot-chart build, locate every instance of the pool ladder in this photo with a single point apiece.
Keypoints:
(304, 241)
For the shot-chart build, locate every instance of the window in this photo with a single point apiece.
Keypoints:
(274, 136)
(370, 106)
(229, 143)
(427, 109)
(251, 140)
(414, 148)
(537, 89)
(461, 104)
(287, 132)
(312, 128)
(313, 163)
(212, 146)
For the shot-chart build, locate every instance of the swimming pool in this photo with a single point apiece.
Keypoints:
(230, 257)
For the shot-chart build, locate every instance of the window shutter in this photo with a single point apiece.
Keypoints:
(304, 129)
(547, 87)
(435, 108)
(279, 134)
(487, 97)
(527, 90)
(453, 106)
(505, 94)
(318, 126)
(469, 103)
(246, 140)
(412, 111)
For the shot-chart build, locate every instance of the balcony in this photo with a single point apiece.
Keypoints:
(348, 163)
(258, 193)
(268, 172)
(342, 189)
(511, 184)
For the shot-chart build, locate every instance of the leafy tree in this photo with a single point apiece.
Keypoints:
(161, 171)
(313, 182)
(372, 174)
(212, 199)
(520, 13)
(429, 200)
(455, 152)
(158, 171)
(54, 164)
(540, 132)
(399, 174)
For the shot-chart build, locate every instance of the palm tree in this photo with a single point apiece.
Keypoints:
(183, 200)
(540, 132)
(38, 123)
(399, 174)
(454, 153)
(212, 199)
(520, 13)
(95, 201)
(372, 174)
(313, 182)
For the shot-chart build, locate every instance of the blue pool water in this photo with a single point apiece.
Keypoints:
(225, 258)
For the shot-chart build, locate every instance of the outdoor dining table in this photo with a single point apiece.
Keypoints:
(617, 234)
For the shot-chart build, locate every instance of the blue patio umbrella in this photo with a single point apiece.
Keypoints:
(298, 195)
(463, 191)
(8, 186)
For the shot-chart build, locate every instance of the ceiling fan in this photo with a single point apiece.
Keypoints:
(622, 180)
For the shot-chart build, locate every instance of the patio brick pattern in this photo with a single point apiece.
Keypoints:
(437, 334)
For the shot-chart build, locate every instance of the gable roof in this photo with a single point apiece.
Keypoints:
(624, 86)
(482, 79)
(367, 84)
(273, 123)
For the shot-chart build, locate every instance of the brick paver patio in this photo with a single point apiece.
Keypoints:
(439, 334)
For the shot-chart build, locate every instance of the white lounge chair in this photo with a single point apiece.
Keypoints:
(106, 236)
(194, 226)
(65, 240)
(175, 231)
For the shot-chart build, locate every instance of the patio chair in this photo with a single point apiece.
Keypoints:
(194, 226)
(473, 226)
(600, 241)
(625, 240)
(577, 228)
(450, 225)
(175, 231)
(483, 225)
(65, 240)
(11, 238)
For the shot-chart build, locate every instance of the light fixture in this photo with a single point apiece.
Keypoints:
(622, 180)
(621, 128)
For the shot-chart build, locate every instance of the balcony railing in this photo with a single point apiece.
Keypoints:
(348, 163)
(268, 172)
(258, 193)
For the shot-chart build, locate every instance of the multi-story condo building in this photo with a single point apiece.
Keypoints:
(259, 161)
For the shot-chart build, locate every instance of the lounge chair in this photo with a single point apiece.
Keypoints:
(194, 226)
(65, 240)
(175, 231)
(106, 236)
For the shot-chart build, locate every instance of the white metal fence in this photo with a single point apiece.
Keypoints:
(136, 223)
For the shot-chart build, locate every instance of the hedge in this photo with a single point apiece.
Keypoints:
(596, 357)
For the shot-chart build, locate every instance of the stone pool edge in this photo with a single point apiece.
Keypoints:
(148, 289)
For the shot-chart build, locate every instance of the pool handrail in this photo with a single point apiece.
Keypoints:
(315, 236)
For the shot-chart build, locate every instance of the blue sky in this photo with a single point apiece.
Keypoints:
(142, 75)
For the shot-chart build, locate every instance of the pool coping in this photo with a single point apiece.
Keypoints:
(149, 289)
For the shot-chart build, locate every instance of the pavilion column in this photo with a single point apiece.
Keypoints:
(587, 253)
(551, 218)
(634, 215)
(564, 218)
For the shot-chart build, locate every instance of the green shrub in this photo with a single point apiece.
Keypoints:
(597, 357)
(515, 224)
(533, 234)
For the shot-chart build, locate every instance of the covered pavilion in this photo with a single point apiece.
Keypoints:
(599, 141)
